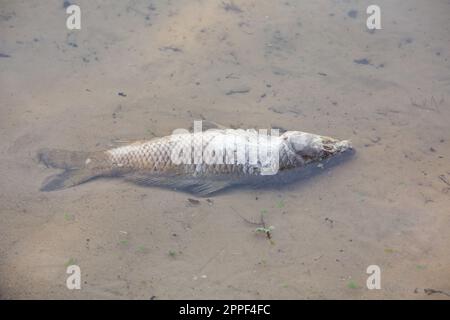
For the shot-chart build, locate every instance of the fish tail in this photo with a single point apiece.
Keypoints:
(78, 167)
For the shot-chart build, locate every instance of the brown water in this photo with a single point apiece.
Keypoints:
(299, 65)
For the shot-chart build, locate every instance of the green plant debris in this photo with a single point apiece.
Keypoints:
(352, 285)
(264, 229)
(267, 231)
(71, 262)
(141, 249)
(172, 253)
(389, 250)
(69, 217)
(421, 267)
(280, 204)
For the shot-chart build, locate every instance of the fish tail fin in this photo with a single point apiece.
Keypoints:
(78, 167)
(66, 179)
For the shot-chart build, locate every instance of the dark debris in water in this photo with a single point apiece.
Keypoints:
(367, 62)
(352, 13)
(231, 7)
(3, 55)
(193, 201)
(170, 48)
(66, 4)
(444, 179)
(430, 291)
(405, 42)
(283, 109)
(363, 61)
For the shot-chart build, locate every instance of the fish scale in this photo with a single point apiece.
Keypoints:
(157, 154)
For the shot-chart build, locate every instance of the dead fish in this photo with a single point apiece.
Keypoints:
(200, 164)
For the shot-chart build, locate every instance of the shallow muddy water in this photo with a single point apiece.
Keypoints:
(140, 69)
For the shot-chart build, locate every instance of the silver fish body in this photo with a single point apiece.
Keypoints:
(200, 163)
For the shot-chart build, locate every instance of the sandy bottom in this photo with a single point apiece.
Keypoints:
(139, 69)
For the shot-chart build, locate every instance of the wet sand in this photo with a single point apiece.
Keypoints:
(139, 69)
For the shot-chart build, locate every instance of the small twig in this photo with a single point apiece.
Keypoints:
(261, 225)
(444, 179)
(249, 221)
(423, 106)
(210, 260)
(264, 228)
(430, 291)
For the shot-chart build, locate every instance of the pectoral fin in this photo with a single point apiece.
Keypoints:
(209, 187)
(194, 185)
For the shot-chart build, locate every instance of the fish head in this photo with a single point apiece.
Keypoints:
(312, 147)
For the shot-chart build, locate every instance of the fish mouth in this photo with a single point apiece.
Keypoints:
(334, 146)
(344, 145)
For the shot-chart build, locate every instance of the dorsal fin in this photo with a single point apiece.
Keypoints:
(210, 125)
(198, 186)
